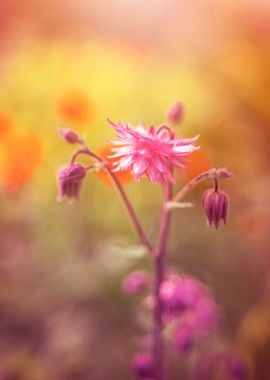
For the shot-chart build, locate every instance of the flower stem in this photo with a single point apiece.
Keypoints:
(190, 185)
(131, 212)
(159, 266)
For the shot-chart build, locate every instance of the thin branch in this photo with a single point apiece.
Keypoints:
(133, 216)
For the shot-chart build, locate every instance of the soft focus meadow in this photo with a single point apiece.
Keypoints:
(68, 64)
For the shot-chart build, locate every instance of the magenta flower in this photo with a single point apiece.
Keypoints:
(152, 152)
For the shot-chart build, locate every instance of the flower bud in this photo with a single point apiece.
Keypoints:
(175, 113)
(68, 135)
(69, 180)
(143, 365)
(136, 282)
(215, 204)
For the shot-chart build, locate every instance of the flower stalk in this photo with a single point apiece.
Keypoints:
(155, 153)
(159, 275)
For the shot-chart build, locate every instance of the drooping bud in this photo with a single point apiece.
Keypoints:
(136, 282)
(68, 135)
(69, 181)
(143, 365)
(175, 113)
(215, 204)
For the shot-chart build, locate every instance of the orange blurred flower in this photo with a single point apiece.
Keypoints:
(21, 157)
(75, 107)
(123, 176)
(199, 162)
(6, 125)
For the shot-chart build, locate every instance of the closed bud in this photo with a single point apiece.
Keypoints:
(143, 365)
(215, 204)
(175, 113)
(68, 135)
(69, 180)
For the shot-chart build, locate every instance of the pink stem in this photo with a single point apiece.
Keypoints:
(191, 184)
(129, 207)
(160, 265)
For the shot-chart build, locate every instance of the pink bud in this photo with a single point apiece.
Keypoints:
(143, 366)
(69, 180)
(215, 204)
(136, 282)
(68, 135)
(224, 173)
(175, 113)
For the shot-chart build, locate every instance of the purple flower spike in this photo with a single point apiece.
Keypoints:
(152, 152)
(175, 113)
(136, 282)
(215, 204)
(68, 135)
(143, 366)
(69, 180)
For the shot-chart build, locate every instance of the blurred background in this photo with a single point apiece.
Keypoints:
(73, 64)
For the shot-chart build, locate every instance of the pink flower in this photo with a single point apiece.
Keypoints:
(151, 152)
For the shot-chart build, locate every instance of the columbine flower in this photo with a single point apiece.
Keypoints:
(152, 152)
(69, 180)
(215, 204)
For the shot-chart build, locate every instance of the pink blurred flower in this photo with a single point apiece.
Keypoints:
(179, 293)
(143, 365)
(151, 152)
(136, 282)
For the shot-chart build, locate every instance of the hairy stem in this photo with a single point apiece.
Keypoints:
(131, 212)
(159, 266)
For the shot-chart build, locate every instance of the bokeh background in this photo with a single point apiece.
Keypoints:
(72, 64)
